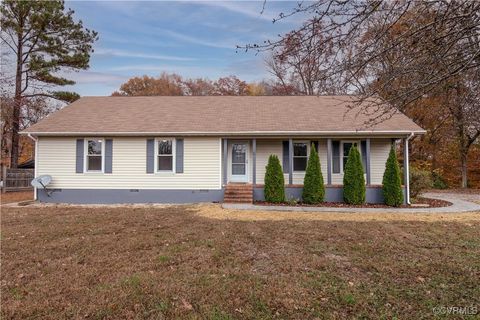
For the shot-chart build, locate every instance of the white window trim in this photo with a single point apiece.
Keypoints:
(85, 156)
(174, 152)
(359, 147)
(293, 153)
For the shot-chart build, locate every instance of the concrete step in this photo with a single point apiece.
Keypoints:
(237, 201)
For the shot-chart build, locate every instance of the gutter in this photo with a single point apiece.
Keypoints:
(232, 133)
(36, 163)
(407, 167)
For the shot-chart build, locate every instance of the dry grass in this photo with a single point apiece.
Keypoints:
(10, 197)
(174, 262)
(216, 212)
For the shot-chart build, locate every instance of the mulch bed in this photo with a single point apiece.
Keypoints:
(432, 203)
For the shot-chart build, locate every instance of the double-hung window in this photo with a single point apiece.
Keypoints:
(346, 151)
(300, 156)
(340, 151)
(94, 155)
(165, 152)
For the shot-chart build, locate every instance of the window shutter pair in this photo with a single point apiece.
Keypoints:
(178, 155)
(286, 159)
(107, 157)
(336, 156)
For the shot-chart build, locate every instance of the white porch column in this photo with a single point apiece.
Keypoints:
(254, 159)
(290, 161)
(225, 161)
(367, 165)
(406, 171)
(329, 161)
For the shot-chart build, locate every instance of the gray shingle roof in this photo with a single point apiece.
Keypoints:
(204, 115)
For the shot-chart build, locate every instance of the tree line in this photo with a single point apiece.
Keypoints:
(172, 84)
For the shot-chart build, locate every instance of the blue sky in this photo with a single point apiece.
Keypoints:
(193, 39)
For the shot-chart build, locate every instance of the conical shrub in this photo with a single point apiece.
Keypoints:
(392, 181)
(313, 188)
(274, 189)
(353, 179)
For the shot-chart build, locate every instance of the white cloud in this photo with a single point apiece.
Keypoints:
(195, 40)
(245, 8)
(128, 54)
(186, 71)
(91, 77)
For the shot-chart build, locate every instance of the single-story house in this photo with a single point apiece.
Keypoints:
(204, 148)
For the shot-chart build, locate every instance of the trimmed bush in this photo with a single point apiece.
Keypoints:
(313, 188)
(274, 189)
(419, 181)
(392, 181)
(353, 180)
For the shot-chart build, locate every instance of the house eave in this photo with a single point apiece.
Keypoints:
(394, 133)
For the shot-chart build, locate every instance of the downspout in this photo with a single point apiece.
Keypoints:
(407, 168)
(36, 163)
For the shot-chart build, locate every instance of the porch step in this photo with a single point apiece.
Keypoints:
(238, 193)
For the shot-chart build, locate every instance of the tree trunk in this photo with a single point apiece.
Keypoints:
(17, 104)
(464, 167)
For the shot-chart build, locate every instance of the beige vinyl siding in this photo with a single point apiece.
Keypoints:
(267, 147)
(264, 149)
(202, 165)
(379, 150)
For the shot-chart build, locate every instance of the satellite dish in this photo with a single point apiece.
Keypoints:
(42, 182)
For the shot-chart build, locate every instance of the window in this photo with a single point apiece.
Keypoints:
(94, 155)
(340, 150)
(346, 150)
(164, 155)
(300, 156)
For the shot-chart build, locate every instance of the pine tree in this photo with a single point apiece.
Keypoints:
(313, 188)
(392, 181)
(274, 189)
(44, 40)
(353, 180)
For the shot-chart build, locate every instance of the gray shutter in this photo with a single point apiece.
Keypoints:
(108, 155)
(150, 155)
(336, 156)
(80, 149)
(179, 156)
(315, 143)
(285, 157)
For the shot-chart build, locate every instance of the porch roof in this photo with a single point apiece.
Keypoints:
(226, 116)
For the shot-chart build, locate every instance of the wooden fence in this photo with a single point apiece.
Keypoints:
(17, 179)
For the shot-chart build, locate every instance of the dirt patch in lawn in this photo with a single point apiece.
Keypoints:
(217, 212)
(174, 263)
(10, 197)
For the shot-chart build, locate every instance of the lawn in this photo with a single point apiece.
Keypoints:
(200, 262)
(10, 197)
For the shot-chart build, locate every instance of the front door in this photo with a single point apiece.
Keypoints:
(239, 162)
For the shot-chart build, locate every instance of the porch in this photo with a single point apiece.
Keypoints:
(244, 161)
